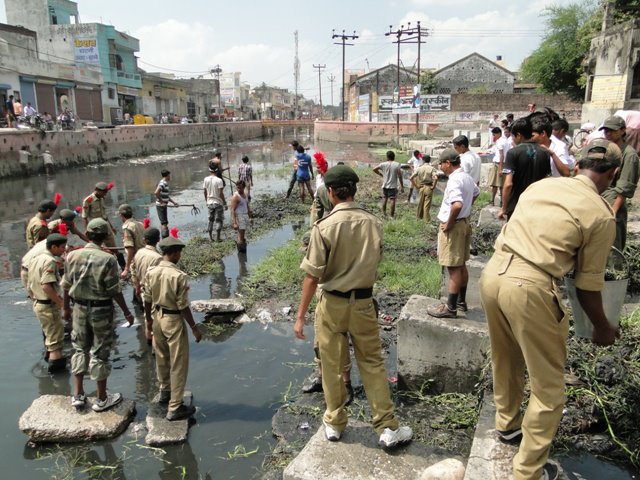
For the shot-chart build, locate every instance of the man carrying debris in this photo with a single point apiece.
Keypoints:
(342, 259)
(559, 225)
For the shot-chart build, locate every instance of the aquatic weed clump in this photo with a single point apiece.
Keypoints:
(600, 414)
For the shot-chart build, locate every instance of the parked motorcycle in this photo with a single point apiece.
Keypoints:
(67, 121)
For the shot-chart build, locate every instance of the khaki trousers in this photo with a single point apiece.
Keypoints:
(172, 355)
(335, 317)
(424, 203)
(527, 328)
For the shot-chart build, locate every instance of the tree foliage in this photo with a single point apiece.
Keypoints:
(624, 10)
(557, 63)
(428, 83)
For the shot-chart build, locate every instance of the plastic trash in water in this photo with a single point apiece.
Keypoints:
(304, 426)
(286, 310)
(264, 316)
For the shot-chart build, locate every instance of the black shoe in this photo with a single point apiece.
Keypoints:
(510, 437)
(550, 472)
(314, 386)
(181, 413)
(58, 365)
(350, 394)
(164, 396)
(462, 306)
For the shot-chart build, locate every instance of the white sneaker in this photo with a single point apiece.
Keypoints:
(331, 433)
(112, 400)
(78, 401)
(390, 438)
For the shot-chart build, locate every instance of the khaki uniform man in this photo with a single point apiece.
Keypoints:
(67, 217)
(94, 207)
(625, 183)
(144, 259)
(37, 249)
(424, 180)
(91, 281)
(37, 227)
(166, 307)
(43, 281)
(342, 259)
(527, 325)
(132, 236)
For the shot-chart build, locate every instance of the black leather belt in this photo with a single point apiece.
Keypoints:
(168, 311)
(93, 303)
(44, 302)
(358, 293)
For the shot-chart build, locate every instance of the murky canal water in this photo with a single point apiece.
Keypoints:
(238, 381)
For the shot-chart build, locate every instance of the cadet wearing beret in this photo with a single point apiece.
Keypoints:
(625, 182)
(132, 237)
(343, 255)
(166, 308)
(67, 217)
(43, 281)
(94, 207)
(92, 282)
(37, 228)
(559, 225)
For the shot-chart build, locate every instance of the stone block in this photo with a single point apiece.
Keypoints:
(217, 305)
(51, 418)
(447, 353)
(357, 456)
(489, 218)
(449, 469)
(160, 430)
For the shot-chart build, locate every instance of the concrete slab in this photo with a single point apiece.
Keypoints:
(160, 430)
(218, 305)
(51, 418)
(430, 350)
(357, 456)
(489, 458)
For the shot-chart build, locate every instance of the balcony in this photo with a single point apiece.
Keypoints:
(128, 76)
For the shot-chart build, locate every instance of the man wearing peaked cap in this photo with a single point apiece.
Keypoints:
(37, 228)
(145, 258)
(68, 218)
(528, 327)
(132, 238)
(94, 207)
(625, 183)
(166, 308)
(342, 260)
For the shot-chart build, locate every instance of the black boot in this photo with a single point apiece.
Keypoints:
(58, 365)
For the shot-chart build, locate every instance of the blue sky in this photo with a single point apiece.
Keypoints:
(256, 37)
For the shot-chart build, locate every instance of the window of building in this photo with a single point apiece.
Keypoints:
(635, 82)
(111, 93)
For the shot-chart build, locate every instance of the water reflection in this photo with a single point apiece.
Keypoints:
(180, 462)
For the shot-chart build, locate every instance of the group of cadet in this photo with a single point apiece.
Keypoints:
(80, 285)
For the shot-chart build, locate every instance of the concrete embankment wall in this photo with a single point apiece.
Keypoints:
(81, 147)
(363, 132)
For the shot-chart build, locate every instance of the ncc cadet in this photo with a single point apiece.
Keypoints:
(67, 217)
(43, 281)
(132, 236)
(94, 207)
(625, 182)
(145, 258)
(166, 307)
(37, 228)
(343, 255)
(91, 281)
(527, 325)
(37, 249)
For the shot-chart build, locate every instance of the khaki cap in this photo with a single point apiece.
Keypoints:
(170, 242)
(601, 149)
(67, 214)
(614, 122)
(101, 186)
(340, 175)
(55, 239)
(98, 225)
(125, 209)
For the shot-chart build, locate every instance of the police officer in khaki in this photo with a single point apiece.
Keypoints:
(43, 281)
(145, 258)
(132, 236)
(166, 307)
(37, 228)
(92, 283)
(560, 224)
(94, 207)
(625, 183)
(343, 255)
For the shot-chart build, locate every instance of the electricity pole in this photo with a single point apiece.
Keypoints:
(344, 38)
(331, 79)
(217, 71)
(320, 68)
(414, 35)
(296, 75)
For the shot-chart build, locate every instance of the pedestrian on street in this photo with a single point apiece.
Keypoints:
(162, 201)
(391, 174)
(44, 285)
(166, 308)
(626, 180)
(37, 227)
(425, 179)
(342, 259)
(92, 282)
(528, 327)
(132, 238)
(241, 215)
(213, 187)
(454, 233)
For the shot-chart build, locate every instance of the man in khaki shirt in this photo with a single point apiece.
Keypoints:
(145, 258)
(93, 207)
(132, 236)
(559, 224)
(424, 179)
(342, 259)
(166, 308)
(37, 227)
(44, 285)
